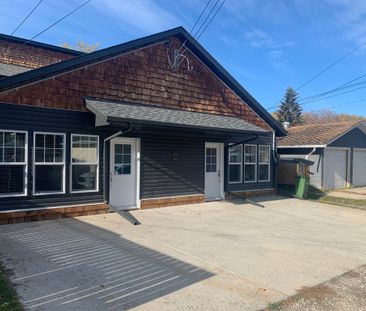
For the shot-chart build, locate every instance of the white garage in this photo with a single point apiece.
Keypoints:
(335, 168)
(338, 150)
(359, 167)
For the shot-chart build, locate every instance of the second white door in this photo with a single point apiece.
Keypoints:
(213, 171)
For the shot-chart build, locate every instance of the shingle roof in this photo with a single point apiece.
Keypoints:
(103, 54)
(40, 45)
(11, 70)
(315, 134)
(106, 110)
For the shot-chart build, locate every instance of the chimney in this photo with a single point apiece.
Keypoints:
(286, 125)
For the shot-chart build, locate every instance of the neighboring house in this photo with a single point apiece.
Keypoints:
(130, 126)
(338, 151)
(19, 55)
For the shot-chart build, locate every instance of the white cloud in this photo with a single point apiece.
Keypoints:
(260, 39)
(145, 15)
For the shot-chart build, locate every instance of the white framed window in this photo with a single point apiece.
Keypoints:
(235, 164)
(48, 163)
(264, 163)
(250, 163)
(13, 163)
(84, 163)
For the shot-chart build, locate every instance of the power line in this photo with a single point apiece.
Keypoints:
(335, 89)
(217, 11)
(29, 14)
(316, 98)
(55, 23)
(324, 70)
(331, 65)
(336, 95)
(198, 19)
(184, 46)
(207, 17)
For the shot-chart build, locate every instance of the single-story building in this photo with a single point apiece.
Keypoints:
(153, 122)
(337, 149)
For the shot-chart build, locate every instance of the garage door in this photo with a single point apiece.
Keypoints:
(359, 167)
(335, 168)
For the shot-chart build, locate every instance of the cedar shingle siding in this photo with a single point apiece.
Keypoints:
(15, 53)
(139, 77)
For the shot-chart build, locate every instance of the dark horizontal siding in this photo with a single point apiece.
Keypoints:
(353, 139)
(162, 176)
(31, 119)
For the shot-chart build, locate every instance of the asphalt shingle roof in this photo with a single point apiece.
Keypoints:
(11, 70)
(167, 116)
(315, 134)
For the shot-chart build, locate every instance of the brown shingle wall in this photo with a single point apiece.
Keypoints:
(15, 53)
(52, 213)
(140, 77)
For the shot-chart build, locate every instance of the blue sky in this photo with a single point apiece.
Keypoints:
(266, 45)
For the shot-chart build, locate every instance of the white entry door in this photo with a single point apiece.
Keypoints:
(214, 174)
(123, 173)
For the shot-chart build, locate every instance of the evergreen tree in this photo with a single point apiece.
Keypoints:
(290, 110)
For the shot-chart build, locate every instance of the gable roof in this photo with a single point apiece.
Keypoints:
(40, 45)
(316, 134)
(52, 70)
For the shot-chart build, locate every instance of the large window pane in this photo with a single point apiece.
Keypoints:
(12, 153)
(48, 178)
(264, 163)
(84, 153)
(49, 163)
(249, 172)
(12, 179)
(235, 164)
(84, 177)
(263, 172)
(235, 173)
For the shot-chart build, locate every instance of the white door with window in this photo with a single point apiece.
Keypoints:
(214, 174)
(123, 187)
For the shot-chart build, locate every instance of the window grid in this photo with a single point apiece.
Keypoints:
(122, 159)
(91, 139)
(250, 160)
(211, 160)
(17, 160)
(264, 161)
(58, 163)
(235, 161)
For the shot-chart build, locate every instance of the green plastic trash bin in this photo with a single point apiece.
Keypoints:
(302, 186)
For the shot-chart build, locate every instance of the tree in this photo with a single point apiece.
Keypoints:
(81, 46)
(327, 116)
(290, 110)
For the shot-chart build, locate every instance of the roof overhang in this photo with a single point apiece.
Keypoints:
(116, 113)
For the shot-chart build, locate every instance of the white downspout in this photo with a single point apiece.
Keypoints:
(311, 152)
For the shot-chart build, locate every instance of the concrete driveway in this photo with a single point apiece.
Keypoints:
(217, 256)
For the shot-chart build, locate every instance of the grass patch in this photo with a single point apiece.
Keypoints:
(343, 202)
(8, 299)
(273, 306)
(322, 196)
